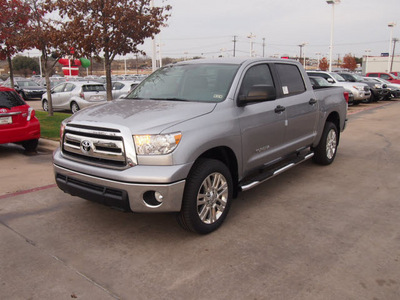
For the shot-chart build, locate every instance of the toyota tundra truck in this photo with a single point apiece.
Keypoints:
(194, 134)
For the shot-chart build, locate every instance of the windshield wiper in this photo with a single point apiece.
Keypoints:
(169, 99)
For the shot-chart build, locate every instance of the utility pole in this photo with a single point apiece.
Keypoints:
(234, 45)
(263, 47)
(251, 36)
(395, 40)
(153, 59)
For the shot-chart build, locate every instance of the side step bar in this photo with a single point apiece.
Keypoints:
(264, 176)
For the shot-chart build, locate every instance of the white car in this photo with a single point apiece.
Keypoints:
(122, 88)
(75, 95)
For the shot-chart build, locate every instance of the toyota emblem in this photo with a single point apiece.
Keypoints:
(86, 146)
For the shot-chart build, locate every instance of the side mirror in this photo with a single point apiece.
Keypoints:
(257, 93)
(384, 85)
(330, 80)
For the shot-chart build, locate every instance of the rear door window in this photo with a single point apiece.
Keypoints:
(291, 79)
(10, 99)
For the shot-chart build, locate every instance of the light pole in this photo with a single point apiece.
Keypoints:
(153, 59)
(302, 54)
(333, 2)
(251, 36)
(390, 25)
(366, 60)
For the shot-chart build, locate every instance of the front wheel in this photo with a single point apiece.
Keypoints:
(325, 152)
(207, 196)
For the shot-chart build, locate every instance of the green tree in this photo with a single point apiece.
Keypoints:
(110, 27)
(25, 65)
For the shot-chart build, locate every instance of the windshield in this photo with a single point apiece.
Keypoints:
(191, 82)
(358, 77)
(337, 77)
(27, 83)
(10, 99)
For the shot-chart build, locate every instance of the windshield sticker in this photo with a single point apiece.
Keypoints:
(218, 96)
(285, 90)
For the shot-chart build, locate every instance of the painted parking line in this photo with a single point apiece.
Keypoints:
(28, 191)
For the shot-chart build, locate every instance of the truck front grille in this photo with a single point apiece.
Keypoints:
(94, 145)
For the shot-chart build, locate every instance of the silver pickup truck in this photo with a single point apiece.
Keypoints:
(194, 134)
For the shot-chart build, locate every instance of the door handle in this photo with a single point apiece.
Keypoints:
(280, 109)
(312, 101)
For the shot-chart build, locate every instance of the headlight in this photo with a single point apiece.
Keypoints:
(156, 144)
(357, 87)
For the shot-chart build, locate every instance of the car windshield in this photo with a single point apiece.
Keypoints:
(10, 99)
(27, 83)
(358, 77)
(338, 77)
(187, 82)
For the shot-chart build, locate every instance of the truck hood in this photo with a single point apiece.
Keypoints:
(142, 116)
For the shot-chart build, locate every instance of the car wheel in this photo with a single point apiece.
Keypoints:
(74, 107)
(30, 145)
(325, 152)
(45, 105)
(207, 196)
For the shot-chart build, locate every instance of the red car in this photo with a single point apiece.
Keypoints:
(18, 123)
(387, 76)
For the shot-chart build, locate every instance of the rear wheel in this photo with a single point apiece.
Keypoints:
(74, 107)
(45, 105)
(325, 152)
(207, 196)
(30, 145)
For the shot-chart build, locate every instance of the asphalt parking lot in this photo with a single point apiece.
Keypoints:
(311, 233)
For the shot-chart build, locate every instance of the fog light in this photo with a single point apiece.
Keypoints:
(159, 197)
(153, 199)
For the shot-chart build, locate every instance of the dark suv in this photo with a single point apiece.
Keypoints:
(377, 91)
(18, 123)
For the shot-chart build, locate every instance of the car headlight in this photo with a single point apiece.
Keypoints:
(360, 88)
(156, 144)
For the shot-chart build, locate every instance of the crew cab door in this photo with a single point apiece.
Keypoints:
(262, 123)
(301, 107)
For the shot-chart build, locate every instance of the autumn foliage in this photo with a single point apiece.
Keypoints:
(323, 64)
(349, 62)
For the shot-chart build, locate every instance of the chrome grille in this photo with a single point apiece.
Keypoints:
(95, 145)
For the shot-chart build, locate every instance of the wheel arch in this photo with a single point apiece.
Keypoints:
(228, 157)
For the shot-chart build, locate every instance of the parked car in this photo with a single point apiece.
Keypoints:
(319, 82)
(387, 76)
(27, 88)
(394, 88)
(122, 88)
(75, 95)
(377, 90)
(397, 74)
(18, 123)
(53, 81)
(360, 91)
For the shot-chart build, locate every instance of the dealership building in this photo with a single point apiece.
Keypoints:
(381, 64)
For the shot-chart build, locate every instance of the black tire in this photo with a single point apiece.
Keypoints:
(74, 107)
(30, 145)
(207, 196)
(45, 105)
(356, 102)
(325, 152)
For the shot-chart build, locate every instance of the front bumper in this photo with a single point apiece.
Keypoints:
(361, 95)
(126, 191)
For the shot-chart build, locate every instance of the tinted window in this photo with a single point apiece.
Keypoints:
(93, 88)
(10, 99)
(256, 75)
(291, 79)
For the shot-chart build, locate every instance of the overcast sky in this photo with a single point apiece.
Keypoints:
(207, 27)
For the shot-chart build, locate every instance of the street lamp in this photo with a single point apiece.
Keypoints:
(302, 54)
(333, 2)
(251, 36)
(390, 25)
